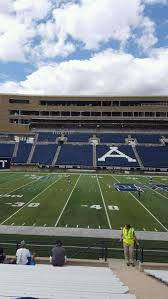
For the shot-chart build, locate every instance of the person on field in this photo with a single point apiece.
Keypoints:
(129, 240)
(23, 255)
(58, 254)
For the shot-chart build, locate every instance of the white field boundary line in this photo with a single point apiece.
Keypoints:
(108, 220)
(27, 203)
(83, 173)
(59, 217)
(143, 206)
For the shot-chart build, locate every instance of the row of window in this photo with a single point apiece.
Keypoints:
(104, 103)
(88, 113)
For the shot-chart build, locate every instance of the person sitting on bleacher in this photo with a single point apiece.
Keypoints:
(58, 254)
(23, 255)
(2, 256)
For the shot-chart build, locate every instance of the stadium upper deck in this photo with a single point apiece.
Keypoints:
(21, 113)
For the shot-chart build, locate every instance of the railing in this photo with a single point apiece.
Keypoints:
(96, 250)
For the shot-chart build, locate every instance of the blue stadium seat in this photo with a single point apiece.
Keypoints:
(23, 152)
(47, 136)
(78, 137)
(44, 154)
(147, 138)
(6, 150)
(153, 156)
(76, 155)
(112, 137)
(116, 161)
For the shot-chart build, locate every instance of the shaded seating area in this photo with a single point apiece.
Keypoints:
(153, 156)
(81, 155)
(44, 154)
(6, 149)
(112, 137)
(47, 136)
(147, 138)
(22, 153)
(78, 137)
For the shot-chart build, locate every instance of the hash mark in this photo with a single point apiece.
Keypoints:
(44, 224)
(66, 225)
(99, 226)
(156, 230)
(77, 225)
(23, 224)
(34, 224)
(13, 223)
(88, 226)
(144, 228)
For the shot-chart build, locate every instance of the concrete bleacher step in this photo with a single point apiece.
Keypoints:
(137, 157)
(15, 149)
(161, 275)
(56, 155)
(31, 153)
(47, 282)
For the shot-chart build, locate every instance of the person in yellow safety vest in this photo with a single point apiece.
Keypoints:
(129, 240)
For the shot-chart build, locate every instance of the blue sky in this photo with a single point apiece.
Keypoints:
(109, 47)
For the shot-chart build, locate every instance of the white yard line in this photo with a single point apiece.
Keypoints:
(27, 203)
(108, 219)
(143, 206)
(67, 201)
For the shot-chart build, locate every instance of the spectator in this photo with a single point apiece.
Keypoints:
(129, 239)
(23, 255)
(2, 256)
(58, 254)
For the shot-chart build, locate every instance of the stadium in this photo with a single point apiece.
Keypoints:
(83, 149)
(79, 168)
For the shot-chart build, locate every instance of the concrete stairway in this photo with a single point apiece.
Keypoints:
(56, 155)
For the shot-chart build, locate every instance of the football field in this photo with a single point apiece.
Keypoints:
(84, 200)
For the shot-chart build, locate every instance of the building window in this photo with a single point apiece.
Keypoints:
(18, 101)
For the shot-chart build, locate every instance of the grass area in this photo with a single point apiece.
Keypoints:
(82, 200)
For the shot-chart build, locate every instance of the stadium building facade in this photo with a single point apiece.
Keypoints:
(21, 113)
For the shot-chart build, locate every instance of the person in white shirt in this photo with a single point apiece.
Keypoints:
(23, 255)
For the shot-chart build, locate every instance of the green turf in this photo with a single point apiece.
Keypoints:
(88, 200)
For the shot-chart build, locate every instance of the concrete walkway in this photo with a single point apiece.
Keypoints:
(143, 286)
(79, 232)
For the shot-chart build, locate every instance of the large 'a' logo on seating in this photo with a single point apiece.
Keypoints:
(115, 153)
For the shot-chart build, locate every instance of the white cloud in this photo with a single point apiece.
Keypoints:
(94, 22)
(106, 73)
(147, 39)
(31, 9)
(45, 29)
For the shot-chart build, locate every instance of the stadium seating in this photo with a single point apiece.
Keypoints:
(22, 153)
(76, 155)
(78, 137)
(6, 149)
(153, 156)
(147, 138)
(47, 282)
(112, 137)
(44, 154)
(47, 136)
(115, 161)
